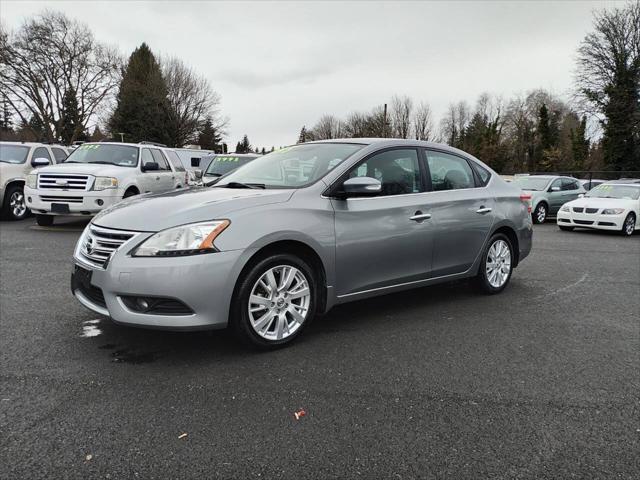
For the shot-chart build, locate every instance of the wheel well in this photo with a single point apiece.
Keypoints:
(542, 202)
(513, 238)
(132, 189)
(14, 182)
(299, 249)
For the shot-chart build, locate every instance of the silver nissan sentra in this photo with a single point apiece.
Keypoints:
(295, 232)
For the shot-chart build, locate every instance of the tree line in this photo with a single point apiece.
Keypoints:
(536, 131)
(61, 84)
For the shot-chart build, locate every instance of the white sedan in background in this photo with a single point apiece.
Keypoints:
(609, 206)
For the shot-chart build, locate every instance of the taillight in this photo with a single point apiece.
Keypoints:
(526, 198)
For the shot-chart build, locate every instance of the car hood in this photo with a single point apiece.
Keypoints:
(86, 169)
(154, 212)
(594, 202)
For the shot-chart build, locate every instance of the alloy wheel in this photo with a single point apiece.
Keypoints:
(498, 265)
(279, 302)
(541, 213)
(17, 204)
(629, 225)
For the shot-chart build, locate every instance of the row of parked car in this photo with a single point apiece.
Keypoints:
(51, 180)
(605, 205)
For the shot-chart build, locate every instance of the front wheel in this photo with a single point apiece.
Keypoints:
(497, 265)
(44, 220)
(539, 215)
(15, 207)
(629, 225)
(274, 302)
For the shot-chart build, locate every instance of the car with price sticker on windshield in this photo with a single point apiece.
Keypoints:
(613, 205)
(297, 231)
(216, 166)
(98, 175)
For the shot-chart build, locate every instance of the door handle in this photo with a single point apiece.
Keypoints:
(157, 178)
(419, 216)
(483, 210)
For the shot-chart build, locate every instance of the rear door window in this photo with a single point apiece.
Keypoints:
(449, 172)
(175, 160)
(569, 184)
(483, 174)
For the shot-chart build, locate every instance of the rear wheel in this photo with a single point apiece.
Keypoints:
(539, 215)
(629, 225)
(497, 265)
(274, 302)
(14, 206)
(44, 220)
(565, 229)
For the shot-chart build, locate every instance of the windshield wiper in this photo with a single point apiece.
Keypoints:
(242, 185)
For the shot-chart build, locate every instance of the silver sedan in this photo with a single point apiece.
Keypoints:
(295, 232)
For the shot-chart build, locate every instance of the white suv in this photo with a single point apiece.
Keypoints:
(17, 159)
(97, 175)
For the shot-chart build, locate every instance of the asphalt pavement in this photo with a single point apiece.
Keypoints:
(541, 381)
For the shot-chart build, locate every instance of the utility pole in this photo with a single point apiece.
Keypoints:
(384, 123)
(121, 136)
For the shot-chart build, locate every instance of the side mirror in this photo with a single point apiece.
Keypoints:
(150, 167)
(554, 189)
(197, 174)
(40, 162)
(362, 187)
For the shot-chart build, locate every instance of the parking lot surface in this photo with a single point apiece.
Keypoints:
(540, 381)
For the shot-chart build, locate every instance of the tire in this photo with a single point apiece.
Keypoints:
(485, 281)
(14, 206)
(629, 225)
(284, 317)
(130, 193)
(565, 229)
(44, 220)
(540, 213)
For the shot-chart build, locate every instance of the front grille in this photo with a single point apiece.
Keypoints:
(578, 209)
(60, 199)
(54, 181)
(583, 222)
(99, 243)
(591, 210)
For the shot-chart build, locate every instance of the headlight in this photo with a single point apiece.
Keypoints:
(32, 180)
(565, 208)
(612, 211)
(190, 239)
(102, 183)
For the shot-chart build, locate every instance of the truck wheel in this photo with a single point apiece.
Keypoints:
(14, 206)
(44, 220)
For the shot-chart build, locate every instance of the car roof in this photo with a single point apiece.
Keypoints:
(624, 181)
(32, 144)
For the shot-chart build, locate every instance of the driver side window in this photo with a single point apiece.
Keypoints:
(146, 157)
(557, 183)
(397, 170)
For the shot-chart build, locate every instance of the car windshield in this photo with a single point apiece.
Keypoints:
(13, 153)
(531, 183)
(292, 167)
(628, 192)
(108, 154)
(224, 164)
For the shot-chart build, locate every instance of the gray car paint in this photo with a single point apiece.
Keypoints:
(367, 246)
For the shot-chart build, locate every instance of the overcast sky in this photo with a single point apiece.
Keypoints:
(281, 65)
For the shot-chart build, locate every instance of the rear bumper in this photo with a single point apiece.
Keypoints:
(586, 220)
(79, 203)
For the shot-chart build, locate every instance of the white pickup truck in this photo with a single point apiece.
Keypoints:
(97, 175)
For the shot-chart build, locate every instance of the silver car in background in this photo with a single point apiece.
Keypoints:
(295, 232)
(548, 193)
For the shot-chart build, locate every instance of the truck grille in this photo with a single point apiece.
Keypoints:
(60, 199)
(63, 182)
(98, 244)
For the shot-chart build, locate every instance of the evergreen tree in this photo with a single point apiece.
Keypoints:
(70, 126)
(239, 148)
(142, 111)
(580, 145)
(97, 135)
(209, 138)
(244, 146)
(303, 135)
(263, 151)
(36, 127)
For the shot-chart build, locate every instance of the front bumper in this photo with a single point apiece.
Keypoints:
(590, 220)
(204, 283)
(80, 203)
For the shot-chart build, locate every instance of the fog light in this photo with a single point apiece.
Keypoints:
(142, 304)
(100, 202)
(29, 199)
